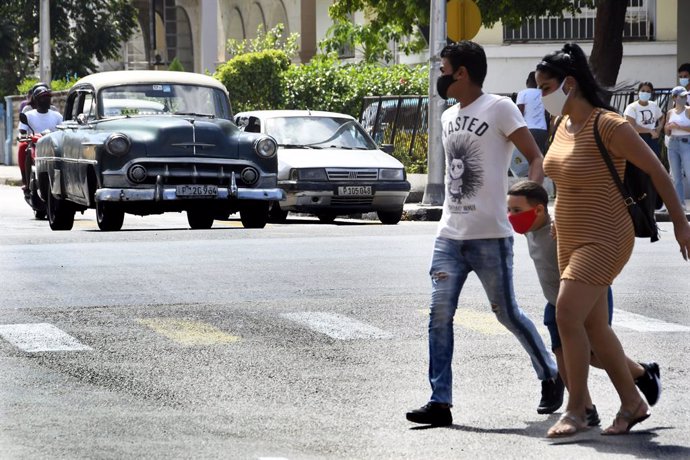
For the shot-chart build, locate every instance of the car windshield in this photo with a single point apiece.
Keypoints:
(318, 132)
(154, 99)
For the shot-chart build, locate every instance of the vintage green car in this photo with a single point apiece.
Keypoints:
(149, 142)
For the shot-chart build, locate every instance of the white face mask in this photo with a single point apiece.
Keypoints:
(554, 102)
(645, 96)
(684, 81)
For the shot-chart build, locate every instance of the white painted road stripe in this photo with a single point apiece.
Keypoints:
(337, 326)
(642, 323)
(37, 337)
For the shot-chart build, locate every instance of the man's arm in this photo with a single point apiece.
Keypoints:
(523, 140)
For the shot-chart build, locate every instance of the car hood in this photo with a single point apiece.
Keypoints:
(335, 158)
(177, 136)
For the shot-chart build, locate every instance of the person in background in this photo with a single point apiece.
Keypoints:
(529, 102)
(646, 116)
(528, 213)
(474, 234)
(684, 75)
(594, 231)
(677, 131)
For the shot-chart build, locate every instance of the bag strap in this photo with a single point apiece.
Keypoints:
(627, 199)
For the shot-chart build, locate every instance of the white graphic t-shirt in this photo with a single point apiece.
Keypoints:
(646, 116)
(534, 109)
(478, 152)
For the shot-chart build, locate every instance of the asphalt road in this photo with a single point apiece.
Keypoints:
(298, 341)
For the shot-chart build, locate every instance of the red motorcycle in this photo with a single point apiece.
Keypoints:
(31, 184)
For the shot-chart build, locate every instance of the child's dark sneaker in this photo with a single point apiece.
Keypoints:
(551, 395)
(650, 383)
(434, 414)
(592, 416)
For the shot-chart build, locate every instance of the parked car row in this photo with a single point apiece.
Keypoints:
(149, 142)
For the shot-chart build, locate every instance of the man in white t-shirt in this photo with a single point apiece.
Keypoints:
(474, 234)
(530, 105)
(40, 119)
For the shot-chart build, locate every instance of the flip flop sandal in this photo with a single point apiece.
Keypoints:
(575, 424)
(627, 417)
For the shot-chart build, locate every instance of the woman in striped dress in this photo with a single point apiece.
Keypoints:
(594, 231)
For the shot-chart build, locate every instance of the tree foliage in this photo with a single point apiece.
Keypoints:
(401, 19)
(82, 32)
(273, 39)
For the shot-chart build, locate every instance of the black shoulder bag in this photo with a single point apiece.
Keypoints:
(637, 189)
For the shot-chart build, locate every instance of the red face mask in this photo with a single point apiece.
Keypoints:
(523, 221)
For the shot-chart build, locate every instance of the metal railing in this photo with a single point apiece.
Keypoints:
(639, 25)
(403, 122)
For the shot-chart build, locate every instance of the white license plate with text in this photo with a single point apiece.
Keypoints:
(196, 190)
(355, 190)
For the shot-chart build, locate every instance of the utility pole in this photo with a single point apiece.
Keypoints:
(434, 191)
(44, 39)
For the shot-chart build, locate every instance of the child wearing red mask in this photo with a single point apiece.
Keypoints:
(528, 213)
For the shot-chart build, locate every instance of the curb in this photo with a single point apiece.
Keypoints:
(11, 182)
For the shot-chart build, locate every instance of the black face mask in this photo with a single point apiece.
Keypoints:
(442, 85)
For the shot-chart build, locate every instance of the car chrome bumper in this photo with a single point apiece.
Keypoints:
(170, 194)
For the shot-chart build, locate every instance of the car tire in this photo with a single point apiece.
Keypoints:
(326, 218)
(389, 217)
(254, 214)
(200, 219)
(276, 215)
(60, 213)
(109, 216)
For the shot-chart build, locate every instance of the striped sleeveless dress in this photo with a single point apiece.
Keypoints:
(595, 235)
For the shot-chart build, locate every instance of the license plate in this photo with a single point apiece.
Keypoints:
(197, 190)
(355, 190)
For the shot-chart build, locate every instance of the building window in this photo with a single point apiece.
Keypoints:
(639, 25)
(347, 51)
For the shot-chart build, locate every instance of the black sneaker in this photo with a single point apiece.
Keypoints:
(592, 416)
(551, 395)
(434, 414)
(650, 383)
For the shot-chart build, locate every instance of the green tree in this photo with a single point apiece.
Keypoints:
(82, 33)
(404, 21)
(176, 65)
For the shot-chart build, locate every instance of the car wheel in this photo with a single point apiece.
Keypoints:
(109, 216)
(60, 213)
(200, 219)
(389, 217)
(254, 214)
(326, 218)
(276, 215)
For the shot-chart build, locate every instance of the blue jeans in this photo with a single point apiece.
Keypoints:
(679, 161)
(550, 320)
(492, 261)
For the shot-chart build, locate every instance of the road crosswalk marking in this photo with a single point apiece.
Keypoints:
(642, 323)
(188, 333)
(38, 337)
(484, 323)
(337, 326)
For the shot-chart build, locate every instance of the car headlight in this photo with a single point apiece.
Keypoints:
(308, 174)
(118, 144)
(265, 147)
(391, 174)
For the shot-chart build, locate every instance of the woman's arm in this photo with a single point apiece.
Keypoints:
(638, 128)
(625, 144)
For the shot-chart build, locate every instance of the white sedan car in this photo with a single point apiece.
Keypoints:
(329, 166)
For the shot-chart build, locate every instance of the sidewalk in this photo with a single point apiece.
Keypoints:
(9, 175)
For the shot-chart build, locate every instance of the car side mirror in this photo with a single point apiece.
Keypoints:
(81, 119)
(388, 148)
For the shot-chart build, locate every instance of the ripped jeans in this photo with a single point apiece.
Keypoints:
(492, 260)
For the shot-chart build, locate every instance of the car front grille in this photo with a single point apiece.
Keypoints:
(352, 174)
(351, 201)
(175, 173)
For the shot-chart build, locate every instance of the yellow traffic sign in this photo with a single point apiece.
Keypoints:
(463, 19)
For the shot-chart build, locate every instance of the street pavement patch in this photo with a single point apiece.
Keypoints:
(38, 337)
